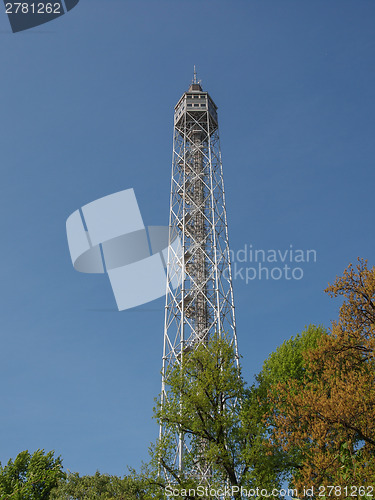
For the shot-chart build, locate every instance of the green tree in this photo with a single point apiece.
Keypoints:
(220, 417)
(30, 477)
(285, 364)
(288, 361)
(98, 486)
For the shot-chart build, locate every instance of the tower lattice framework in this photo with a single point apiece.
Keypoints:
(199, 298)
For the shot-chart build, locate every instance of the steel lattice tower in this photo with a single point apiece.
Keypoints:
(199, 298)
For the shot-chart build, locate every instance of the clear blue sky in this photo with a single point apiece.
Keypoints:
(87, 110)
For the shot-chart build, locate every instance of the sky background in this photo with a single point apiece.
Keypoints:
(87, 110)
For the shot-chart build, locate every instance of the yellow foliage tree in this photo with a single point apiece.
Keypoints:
(330, 414)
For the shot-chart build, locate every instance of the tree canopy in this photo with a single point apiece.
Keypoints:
(30, 477)
(330, 418)
(286, 364)
(203, 402)
(99, 486)
(225, 423)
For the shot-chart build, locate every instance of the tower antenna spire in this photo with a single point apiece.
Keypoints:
(195, 75)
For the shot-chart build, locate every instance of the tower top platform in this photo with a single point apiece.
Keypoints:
(194, 104)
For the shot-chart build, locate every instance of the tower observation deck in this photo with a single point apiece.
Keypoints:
(199, 298)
